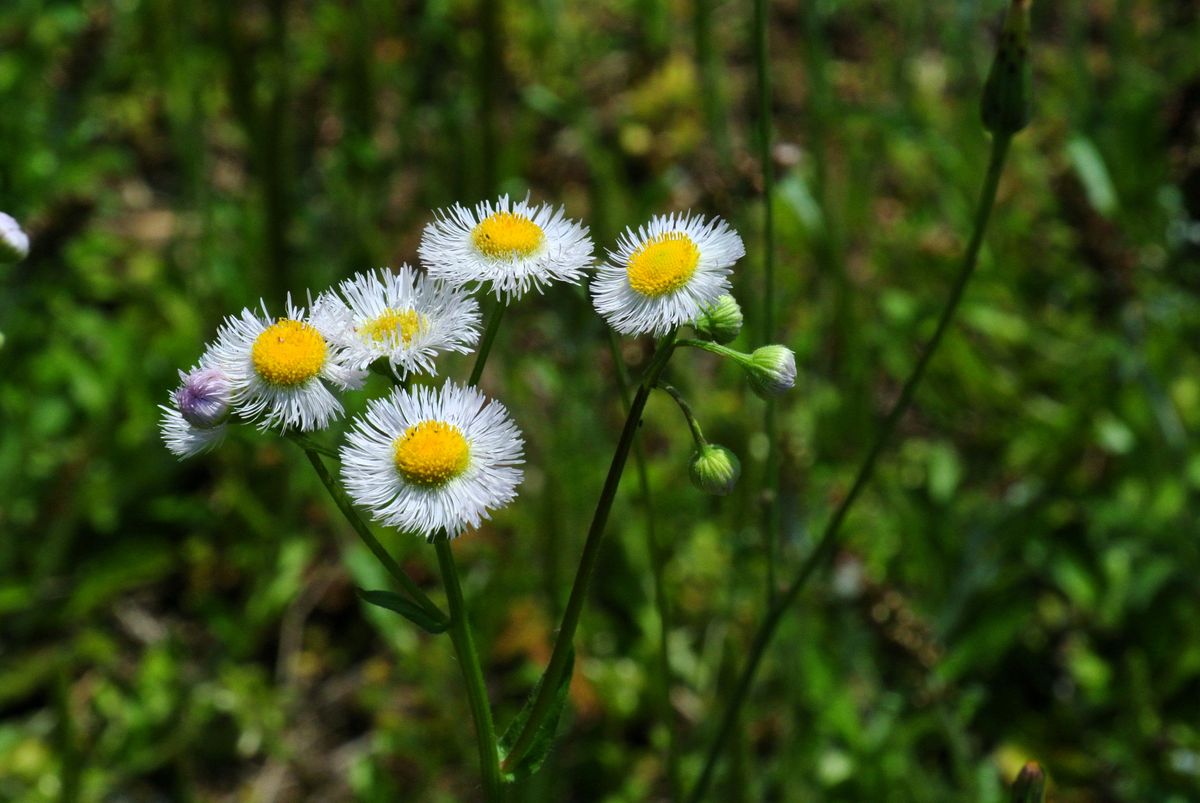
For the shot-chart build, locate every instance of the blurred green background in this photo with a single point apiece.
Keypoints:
(1020, 581)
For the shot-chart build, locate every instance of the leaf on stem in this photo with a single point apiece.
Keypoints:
(406, 608)
(543, 740)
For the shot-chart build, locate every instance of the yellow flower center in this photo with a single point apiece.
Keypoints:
(663, 264)
(506, 235)
(394, 327)
(431, 453)
(288, 353)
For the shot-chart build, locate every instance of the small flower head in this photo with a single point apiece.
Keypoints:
(14, 243)
(666, 273)
(194, 421)
(403, 318)
(511, 246)
(771, 370)
(203, 397)
(281, 370)
(431, 460)
(721, 321)
(714, 469)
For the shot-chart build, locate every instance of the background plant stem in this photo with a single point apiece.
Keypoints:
(468, 658)
(591, 550)
(485, 343)
(824, 548)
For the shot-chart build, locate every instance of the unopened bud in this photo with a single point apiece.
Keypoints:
(14, 243)
(1007, 94)
(1030, 786)
(714, 469)
(771, 370)
(203, 397)
(721, 321)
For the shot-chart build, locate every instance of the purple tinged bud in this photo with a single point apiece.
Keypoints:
(203, 398)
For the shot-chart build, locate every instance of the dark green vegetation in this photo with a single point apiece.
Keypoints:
(1018, 581)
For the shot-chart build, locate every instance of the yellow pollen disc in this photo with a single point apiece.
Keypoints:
(506, 235)
(431, 453)
(288, 353)
(394, 326)
(663, 264)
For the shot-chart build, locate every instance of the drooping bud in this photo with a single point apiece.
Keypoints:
(771, 370)
(721, 321)
(14, 243)
(1030, 786)
(714, 469)
(203, 397)
(1008, 94)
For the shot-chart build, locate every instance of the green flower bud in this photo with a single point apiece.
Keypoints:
(771, 370)
(1007, 94)
(14, 243)
(714, 469)
(1030, 786)
(721, 321)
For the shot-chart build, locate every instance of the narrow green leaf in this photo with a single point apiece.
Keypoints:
(543, 740)
(1030, 786)
(406, 608)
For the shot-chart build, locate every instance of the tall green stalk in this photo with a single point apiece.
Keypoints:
(825, 546)
(553, 675)
(472, 670)
(762, 63)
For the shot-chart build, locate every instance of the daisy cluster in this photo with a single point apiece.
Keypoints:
(434, 460)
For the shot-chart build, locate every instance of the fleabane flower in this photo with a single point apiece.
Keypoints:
(403, 318)
(511, 246)
(431, 460)
(281, 370)
(665, 274)
(195, 420)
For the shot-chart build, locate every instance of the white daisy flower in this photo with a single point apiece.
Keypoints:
(430, 460)
(280, 370)
(404, 318)
(666, 274)
(194, 422)
(513, 245)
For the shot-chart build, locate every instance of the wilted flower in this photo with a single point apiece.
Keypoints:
(203, 397)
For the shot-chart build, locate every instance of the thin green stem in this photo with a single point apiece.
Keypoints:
(485, 343)
(658, 565)
(825, 546)
(364, 532)
(688, 414)
(762, 63)
(587, 562)
(468, 659)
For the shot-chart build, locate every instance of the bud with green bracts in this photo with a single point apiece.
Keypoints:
(1007, 94)
(14, 243)
(714, 469)
(1030, 786)
(721, 321)
(771, 370)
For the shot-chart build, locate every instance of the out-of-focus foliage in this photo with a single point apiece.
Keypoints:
(1019, 581)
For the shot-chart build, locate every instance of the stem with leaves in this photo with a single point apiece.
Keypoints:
(825, 546)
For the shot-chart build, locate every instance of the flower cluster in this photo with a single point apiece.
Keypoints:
(438, 460)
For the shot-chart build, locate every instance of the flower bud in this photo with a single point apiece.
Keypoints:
(771, 370)
(1007, 94)
(14, 243)
(714, 469)
(1030, 786)
(203, 398)
(721, 321)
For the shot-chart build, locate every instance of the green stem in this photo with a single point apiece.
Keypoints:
(688, 413)
(587, 562)
(828, 540)
(485, 343)
(364, 532)
(468, 658)
(658, 564)
(770, 528)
